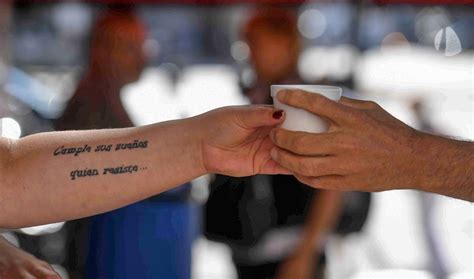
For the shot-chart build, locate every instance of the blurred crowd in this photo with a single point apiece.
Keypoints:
(74, 66)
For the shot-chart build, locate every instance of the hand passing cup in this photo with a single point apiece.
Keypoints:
(300, 120)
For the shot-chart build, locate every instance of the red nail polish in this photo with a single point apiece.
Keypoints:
(277, 114)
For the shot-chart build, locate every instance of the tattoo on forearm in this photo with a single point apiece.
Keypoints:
(136, 144)
(106, 171)
(114, 170)
(72, 150)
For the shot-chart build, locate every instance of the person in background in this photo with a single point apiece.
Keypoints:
(116, 58)
(275, 225)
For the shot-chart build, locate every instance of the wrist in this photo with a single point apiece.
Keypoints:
(439, 157)
(196, 140)
(423, 172)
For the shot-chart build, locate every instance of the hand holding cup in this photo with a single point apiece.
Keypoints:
(365, 148)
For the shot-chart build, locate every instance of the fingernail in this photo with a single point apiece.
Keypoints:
(277, 114)
(274, 153)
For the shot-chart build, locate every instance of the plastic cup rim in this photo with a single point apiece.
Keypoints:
(311, 88)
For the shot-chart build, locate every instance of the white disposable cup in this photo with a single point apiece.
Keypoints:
(300, 120)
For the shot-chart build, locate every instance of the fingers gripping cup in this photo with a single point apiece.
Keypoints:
(300, 120)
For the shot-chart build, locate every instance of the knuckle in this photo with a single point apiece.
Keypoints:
(372, 105)
(346, 144)
(357, 114)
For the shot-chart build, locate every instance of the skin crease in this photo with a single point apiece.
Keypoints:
(367, 149)
(14, 263)
(229, 141)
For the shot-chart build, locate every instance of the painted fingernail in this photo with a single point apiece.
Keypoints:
(274, 153)
(277, 114)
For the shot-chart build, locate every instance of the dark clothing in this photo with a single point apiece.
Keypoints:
(89, 109)
(269, 270)
(240, 210)
(292, 200)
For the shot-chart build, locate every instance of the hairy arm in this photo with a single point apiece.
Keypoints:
(448, 167)
(367, 149)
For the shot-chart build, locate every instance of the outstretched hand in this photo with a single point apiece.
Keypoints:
(235, 140)
(364, 149)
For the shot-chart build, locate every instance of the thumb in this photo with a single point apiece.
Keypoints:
(258, 116)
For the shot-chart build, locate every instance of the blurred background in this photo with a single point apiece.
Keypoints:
(163, 60)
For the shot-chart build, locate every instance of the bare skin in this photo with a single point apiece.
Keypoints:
(15, 263)
(367, 149)
(38, 172)
(324, 213)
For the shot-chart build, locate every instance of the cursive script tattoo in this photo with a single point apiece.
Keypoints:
(72, 150)
(75, 174)
(132, 145)
(75, 151)
(83, 173)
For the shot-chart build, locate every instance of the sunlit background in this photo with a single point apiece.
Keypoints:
(394, 54)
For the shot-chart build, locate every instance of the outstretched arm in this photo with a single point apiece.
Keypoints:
(57, 176)
(367, 149)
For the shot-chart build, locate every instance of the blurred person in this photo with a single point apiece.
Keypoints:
(276, 226)
(367, 149)
(116, 58)
(15, 263)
